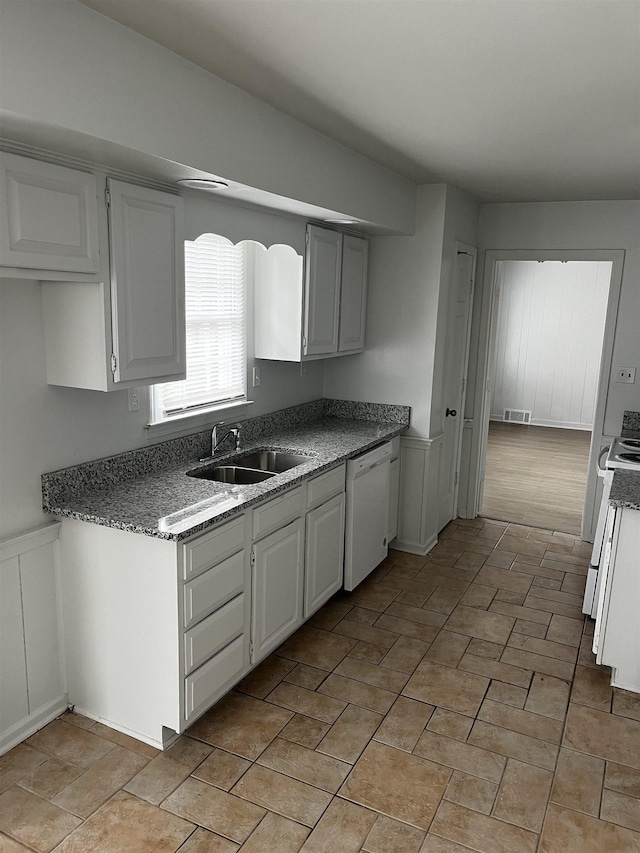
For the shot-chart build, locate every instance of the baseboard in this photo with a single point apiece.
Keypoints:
(169, 737)
(543, 423)
(415, 547)
(29, 725)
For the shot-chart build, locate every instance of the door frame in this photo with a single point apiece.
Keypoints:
(486, 354)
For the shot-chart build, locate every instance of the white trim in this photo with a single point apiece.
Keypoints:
(188, 423)
(17, 545)
(417, 516)
(29, 725)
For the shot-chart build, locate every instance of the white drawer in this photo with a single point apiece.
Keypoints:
(277, 512)
(213, 678)
(213, 633)
(211, 589)
(201, 553)
(325, 486)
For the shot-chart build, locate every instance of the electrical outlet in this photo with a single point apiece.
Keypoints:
(626, 374)
(134, 399)
(256, 377)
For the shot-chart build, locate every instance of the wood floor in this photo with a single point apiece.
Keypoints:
(536, 476)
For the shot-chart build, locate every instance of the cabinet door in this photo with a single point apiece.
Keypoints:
(147, 283)
(48, 216)
(394, 497)
(324, 561)
(277, 588)
(353, 289)
(322, 290)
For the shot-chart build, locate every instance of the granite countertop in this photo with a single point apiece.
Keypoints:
(625, 489)
(168, 504)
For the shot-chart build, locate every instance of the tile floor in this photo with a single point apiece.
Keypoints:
(451, 703)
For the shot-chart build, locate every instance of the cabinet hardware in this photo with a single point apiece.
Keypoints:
(114, 363)
(107, 196)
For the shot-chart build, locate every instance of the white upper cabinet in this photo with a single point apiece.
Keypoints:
(147, 283)
(48, 218)
(321, 315)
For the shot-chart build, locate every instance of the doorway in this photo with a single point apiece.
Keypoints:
(556, 418)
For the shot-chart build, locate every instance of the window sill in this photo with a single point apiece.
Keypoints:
(195, 421)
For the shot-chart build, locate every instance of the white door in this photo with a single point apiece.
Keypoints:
(353, 291)
(147, 283)
(277, 587)
(324, 561)
(457, 353)
(323, 266)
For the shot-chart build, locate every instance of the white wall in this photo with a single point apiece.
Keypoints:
(66, 66)
(549, 334)
(580, 225)
(44, 427)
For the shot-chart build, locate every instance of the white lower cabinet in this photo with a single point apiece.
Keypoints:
(324, 557)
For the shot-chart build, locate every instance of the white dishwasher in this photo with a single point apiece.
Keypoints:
(367, 524)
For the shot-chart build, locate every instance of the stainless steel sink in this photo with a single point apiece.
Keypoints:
(275, 461)
(231, 474)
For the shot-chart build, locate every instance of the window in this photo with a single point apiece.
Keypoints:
(215, 307)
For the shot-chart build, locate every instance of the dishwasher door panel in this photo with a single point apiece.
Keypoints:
(366, 539)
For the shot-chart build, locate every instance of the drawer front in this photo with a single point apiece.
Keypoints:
(213, 633)
(277, 512)
(205, 551)
(325, 486)
(208, 683)
(211, 589)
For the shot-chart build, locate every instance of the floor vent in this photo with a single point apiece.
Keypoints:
(517, 416)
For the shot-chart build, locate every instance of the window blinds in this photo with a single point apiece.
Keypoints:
(215, 307)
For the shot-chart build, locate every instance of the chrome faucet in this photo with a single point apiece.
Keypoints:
(216, 442)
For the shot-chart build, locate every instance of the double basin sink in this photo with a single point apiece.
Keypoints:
(250, 467)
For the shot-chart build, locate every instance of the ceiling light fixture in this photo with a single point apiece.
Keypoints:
(342, 221)
(203, 183)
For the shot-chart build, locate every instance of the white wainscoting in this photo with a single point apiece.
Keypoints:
(32, 683)
(418, 516)
(549, 340)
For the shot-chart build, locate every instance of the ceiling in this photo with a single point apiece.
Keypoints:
(511, 100)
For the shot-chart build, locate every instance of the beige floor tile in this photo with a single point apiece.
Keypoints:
(308, 702)
(418, 614)
(450, 724)
(413, 599)
(404, 723)
(448, 648)
(377, 676)
(344, 827)
(504, 579)
(514, 744)
(373, 596)
(305, 764)
(265, 677)
(544, 647)
(505, 595)
(521, 721)
(603, 735)
(395, 783)
(478, 596)
(515, 611)
(306, 676)
(403, 558)
(485, 649)
(571, 832)
(586, 656)
(549, 606)
(548, 696)
(621, 809)
(357, 693)
(9, 845)
(592, 687)
(366, 633)
(480, 832)
(407, 628)
(328, 616)
(522, 798)
(84, 795)
(529, 629)
(166, 771)
(315, 647)
(123, 740)
(289, 797)
(77, 720)
(33, 821)
(538, 663)
(391, 836)
(480, 623)
(305, 730)
(50, 778)
(447, 687)
(443, 601)
(203, 841)
(368, 652)
(360, 614)
(19, 763)
(502, 559)
(508, 694)
(626, 704)
(578, 782)
(70, 743)
(350, 733)
(276, 833)
(471, 792)
(461, 756)
(574, 584)
(517, 545)
(221, 769)
(626, 780)
(126, 824)
(497, 670)
(405, 654)
(219, 811)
